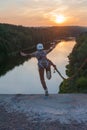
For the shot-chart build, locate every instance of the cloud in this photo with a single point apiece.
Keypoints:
(42, 10)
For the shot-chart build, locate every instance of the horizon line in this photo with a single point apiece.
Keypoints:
(44, 25)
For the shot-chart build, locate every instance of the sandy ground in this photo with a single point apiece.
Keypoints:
(37, 112)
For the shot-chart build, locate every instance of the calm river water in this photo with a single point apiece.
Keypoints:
(24, 79)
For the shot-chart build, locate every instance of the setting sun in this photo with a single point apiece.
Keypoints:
(60, 19)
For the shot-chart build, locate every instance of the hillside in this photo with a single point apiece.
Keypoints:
(15, 38)
(77, 68)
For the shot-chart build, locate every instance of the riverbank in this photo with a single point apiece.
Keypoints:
(37, 112)
(76, 69)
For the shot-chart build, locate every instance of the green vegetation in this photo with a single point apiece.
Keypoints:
(15, 38)
(77, 67)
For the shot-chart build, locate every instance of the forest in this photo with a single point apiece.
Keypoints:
(76, 70)
(14, 38)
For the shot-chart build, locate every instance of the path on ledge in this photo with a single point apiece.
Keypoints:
(37, 112)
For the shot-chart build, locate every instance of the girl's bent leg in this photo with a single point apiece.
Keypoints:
(48, 73)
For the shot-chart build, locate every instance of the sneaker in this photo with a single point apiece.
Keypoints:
(46, 93)
(48, 75)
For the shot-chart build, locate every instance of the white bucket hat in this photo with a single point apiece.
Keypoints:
(40, 46)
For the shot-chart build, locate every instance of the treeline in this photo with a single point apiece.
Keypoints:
(15, 38)
(77, 68)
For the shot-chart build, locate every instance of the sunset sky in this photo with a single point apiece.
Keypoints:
(44, 12)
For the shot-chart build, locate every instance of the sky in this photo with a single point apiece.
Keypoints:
(44, 12)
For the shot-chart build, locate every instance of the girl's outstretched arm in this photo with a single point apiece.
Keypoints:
(23, 54)
(51, 48)
(26, 54)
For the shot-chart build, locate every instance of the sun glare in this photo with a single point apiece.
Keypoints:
(60, 19)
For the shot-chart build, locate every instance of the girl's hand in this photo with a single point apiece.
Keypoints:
(55, 67)
(23, 54)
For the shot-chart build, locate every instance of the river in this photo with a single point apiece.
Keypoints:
(24, 79)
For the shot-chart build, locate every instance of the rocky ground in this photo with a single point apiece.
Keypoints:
(37, 112)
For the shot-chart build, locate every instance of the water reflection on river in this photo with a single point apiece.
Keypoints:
(25, 78)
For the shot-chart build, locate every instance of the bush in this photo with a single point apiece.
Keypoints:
(82, 82)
